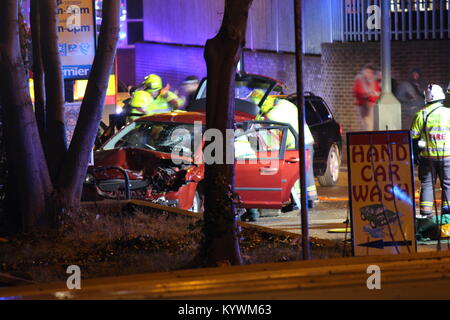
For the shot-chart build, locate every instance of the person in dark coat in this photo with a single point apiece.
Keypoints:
(410, 94)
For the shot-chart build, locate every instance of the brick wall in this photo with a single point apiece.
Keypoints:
(342, 61)
(174, 63)
(330, 76)
(281, 66)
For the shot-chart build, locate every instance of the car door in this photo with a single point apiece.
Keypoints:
(291, 168)
(259, 166)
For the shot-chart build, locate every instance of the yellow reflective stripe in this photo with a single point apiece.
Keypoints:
(435, 152)
(437, 130)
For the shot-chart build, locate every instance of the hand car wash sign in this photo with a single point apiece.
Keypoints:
(381, 190)
(76, 31)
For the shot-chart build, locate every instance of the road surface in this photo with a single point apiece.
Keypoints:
(419, 276)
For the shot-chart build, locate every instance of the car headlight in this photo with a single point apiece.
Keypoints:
(89, 179)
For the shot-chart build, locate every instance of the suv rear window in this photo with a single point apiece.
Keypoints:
(322, 110)
(312, 116)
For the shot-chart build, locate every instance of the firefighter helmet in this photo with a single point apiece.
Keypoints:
(434, 93)
(141, 99)
(153, 82)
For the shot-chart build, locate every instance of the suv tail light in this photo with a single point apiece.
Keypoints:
(340, 129)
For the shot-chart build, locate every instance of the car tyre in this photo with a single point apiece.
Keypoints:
(331, 176)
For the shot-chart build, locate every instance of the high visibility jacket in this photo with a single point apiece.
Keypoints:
(166, 101)
(431, 124)
(140, 104)
(287, 112)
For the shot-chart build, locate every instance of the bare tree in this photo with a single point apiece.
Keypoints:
(40, 186)
(38, 68)
(220, 242)
(55, 144)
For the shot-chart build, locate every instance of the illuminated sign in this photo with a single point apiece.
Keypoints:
(76, 31)
(381, 192)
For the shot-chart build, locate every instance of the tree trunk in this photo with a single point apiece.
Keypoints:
(74, 170)
(38, 69)
(220, 242)
(56, 145)
(26, 161)
(31, 193)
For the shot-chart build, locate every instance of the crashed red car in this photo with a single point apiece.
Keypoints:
(163, 160)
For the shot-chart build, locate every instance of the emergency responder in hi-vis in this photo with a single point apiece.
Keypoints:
(165, 100)
(282, 110)
(141, 103)
(431, 140)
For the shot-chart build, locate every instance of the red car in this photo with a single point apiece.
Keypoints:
(162, 157)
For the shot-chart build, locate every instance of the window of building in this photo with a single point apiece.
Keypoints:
(131, 21)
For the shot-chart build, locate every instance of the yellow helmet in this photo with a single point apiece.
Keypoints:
(141, 99)
(153, 82)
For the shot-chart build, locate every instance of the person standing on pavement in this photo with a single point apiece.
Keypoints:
(410, 93)
(430, 131)
(366, 91)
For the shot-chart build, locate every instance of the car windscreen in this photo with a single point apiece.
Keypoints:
(157, 136)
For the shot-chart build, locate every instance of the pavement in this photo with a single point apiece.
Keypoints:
(330, 212)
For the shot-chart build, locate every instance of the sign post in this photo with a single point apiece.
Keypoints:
(77, 34)
(381, 192)
(77, 45)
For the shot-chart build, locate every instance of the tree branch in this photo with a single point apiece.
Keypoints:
(55, 142)
(26, 161)
(75, 166)
(38, 69)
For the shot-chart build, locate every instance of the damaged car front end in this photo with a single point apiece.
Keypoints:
(146, 160)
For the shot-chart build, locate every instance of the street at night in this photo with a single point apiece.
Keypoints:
(224, 151)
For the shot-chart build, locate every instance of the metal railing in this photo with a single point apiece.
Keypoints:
(125, 175)
(411, 20)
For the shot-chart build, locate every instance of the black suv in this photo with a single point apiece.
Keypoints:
(327, 133)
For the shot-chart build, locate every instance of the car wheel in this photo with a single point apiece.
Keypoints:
(197, 205)
(331, 176)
